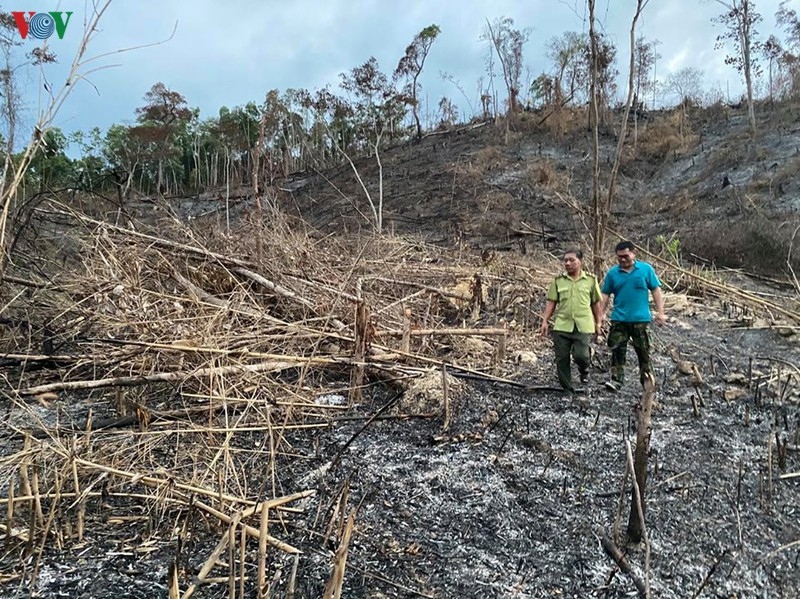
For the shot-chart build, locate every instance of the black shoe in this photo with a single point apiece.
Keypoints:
(613, 385)
(584, 378)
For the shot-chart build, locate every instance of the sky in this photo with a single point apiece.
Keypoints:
(227, 53)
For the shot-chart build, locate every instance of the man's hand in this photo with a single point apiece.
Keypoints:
(661, 319)
(544, 329)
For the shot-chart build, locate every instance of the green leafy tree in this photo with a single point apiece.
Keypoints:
(50, 166)
(125, 152)
(91, 167)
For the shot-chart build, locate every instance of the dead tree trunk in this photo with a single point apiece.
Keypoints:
(643, 413)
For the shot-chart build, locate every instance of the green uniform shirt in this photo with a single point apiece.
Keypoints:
(574, 300)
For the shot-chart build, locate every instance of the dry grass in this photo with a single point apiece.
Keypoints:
(474, 167)
(667, 136)
(542, 173)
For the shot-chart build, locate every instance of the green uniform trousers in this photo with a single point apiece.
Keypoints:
(573, 344)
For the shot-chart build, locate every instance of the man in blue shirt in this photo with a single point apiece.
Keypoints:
(630, 282)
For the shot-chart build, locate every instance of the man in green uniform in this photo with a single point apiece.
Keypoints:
(574, 297)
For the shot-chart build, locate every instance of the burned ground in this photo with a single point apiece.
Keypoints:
(165, 378)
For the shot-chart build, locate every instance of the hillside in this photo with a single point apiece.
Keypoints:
(469, 186)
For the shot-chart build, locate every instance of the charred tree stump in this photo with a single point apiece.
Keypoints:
(643, 413)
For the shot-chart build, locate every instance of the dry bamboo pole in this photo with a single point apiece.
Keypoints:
(500, 355)
(37, 500)
(361, 339)
(130, 381)
(251, 530)
(620, 505)
(232, 557)
(10, 510)
(637, 501)
(81, 503)
(155, 482)
(274, 287)
(619, 558)
(769, 471)
(445, 401)
(24, 478)
(174, 586)
(333, 589)
(242, 561)
(455, 331)
(443, 292)
(292, 584)
(262, 551)
(207, 566)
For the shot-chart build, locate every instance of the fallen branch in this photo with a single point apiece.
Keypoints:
(421, 332)
(162, 377)
(619, 558)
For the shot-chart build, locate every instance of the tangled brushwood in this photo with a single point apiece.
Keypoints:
(173, 377)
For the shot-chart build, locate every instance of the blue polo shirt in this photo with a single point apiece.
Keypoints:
(631, 291)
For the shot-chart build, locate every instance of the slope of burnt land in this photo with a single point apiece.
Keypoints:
(697, 177)
(510, 500)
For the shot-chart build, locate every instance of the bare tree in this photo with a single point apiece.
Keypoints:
(410, 67)
(567, 52)
(597, 242)
(13, 174)
(508, 43)
(790, 58)
(687, 85)
(772, 50)
(603, 210)
(740, 20)
(645, 57)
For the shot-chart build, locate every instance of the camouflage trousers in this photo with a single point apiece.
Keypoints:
(618, 337)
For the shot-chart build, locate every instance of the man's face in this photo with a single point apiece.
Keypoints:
(571, 264)
(626, 258)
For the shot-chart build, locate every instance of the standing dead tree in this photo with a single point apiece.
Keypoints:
(81, 67)
(508, 43)
(410, 67)
(597, 246)
(603, 209)
(740, 19)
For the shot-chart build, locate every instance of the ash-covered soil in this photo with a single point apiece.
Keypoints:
(510, 501)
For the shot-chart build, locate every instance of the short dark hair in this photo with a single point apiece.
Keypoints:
(625, 245)
(578, 253)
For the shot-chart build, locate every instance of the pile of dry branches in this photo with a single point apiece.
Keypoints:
(162, 367)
